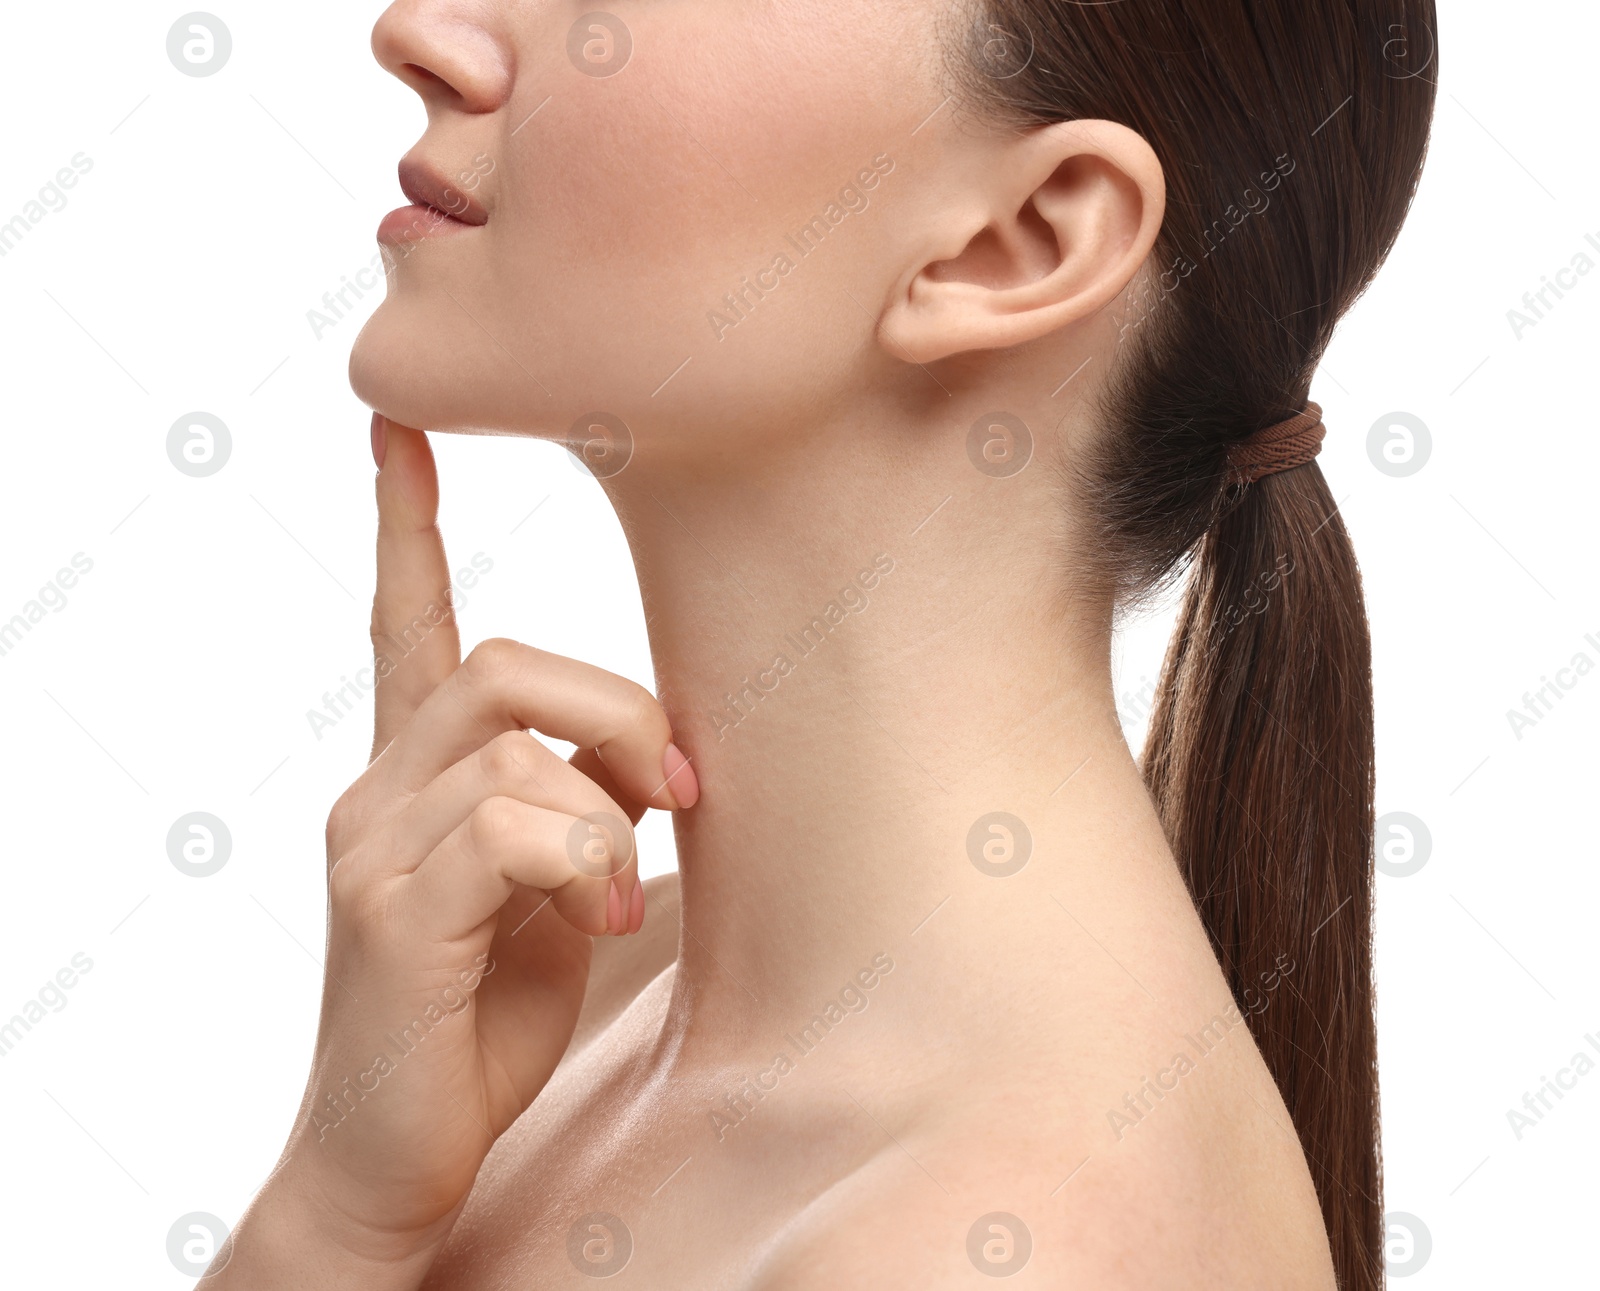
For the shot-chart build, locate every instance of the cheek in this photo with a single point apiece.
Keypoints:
(729, 114)
(631, 207)
(642, 201)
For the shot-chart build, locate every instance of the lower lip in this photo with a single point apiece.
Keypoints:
(410, 223)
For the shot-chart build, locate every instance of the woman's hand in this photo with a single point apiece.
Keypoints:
(468, 868)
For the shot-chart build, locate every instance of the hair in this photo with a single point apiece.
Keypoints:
(1292, 135)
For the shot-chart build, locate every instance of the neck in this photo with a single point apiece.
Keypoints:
(863, 662)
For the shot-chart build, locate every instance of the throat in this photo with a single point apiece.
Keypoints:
(900, 715)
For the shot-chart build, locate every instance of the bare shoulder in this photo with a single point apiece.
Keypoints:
(623, 966)
(935, 1207)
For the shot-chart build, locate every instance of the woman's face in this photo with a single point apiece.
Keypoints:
(674, 212)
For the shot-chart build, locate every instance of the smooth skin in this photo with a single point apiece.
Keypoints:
(821, 443)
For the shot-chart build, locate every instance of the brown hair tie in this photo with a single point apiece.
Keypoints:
(1282, 447)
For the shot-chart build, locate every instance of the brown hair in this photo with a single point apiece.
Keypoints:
(1292, 133)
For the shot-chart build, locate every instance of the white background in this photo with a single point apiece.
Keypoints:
(177, 676)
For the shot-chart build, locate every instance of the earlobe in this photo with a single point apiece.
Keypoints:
(1071, 214)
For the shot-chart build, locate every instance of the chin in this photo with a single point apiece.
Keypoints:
(403, 368)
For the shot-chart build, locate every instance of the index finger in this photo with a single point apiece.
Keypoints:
(415, 643)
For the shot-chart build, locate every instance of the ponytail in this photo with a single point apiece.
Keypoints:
(1291, 134)
(1260, 761)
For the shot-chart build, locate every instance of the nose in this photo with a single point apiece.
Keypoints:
(447, 53)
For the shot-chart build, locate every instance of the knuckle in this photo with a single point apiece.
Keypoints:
(493, 662)
(352, 896)
(342, 886)
(395, 636)
(646, 708)
(342, 822)
(507, 759)
(492, 824)
(638, 712)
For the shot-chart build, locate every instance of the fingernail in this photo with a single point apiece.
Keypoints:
(380, 438)
(680, 777)
(615, 920)
(636, 906)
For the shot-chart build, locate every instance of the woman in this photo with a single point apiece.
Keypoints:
(910, 342)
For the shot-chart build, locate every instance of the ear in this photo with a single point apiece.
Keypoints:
(1069, 216)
